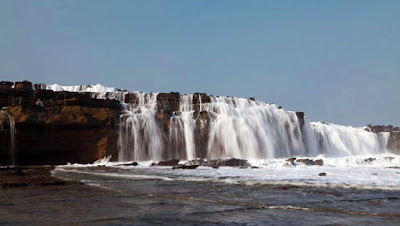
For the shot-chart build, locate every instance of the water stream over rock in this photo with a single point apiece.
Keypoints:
(212, 127)
(12, 132)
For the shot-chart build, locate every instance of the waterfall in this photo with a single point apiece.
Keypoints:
(335, 140)
(97, 91)
(187, 123)
(12, 147)
(141, 137)
(12, 135)
(249, 129)
(224, 127)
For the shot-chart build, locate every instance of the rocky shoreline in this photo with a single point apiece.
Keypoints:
(31, 195)
(30, 177)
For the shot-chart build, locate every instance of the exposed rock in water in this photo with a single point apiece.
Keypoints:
(199, 162)
(129, 164)
(290, 161)
(172, 162)
(319, 162)
(369, 160)
(185, 167)
(388, 158)
(307, 162)
(322, 174)
(17, 177)
(216, 163)
(233, 162)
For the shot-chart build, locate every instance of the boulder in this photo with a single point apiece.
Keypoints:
(199, 162)
(232, 162)
(369, 160)
(319, 162)
(172, 162)
(389, 158)
(307, 162)
(322, 174)
(129, 164)
(290, 161)
(185, 167)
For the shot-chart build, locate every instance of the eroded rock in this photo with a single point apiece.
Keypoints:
(308, 162)
(290, 161)
(172, 162)
(185, 167)
(319, 162)
(369, 160)
(129, 164)
(232, 162)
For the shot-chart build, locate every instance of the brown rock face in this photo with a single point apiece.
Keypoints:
(394, 137)
(172, 162)
(24, 89)
(300, 117)
(59, 127)
(394, 142)
(6, 86)
(168, 101)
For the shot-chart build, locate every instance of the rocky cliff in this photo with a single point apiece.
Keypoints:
(42, 126)
(60, 127)
(394, 137)
(55, 127)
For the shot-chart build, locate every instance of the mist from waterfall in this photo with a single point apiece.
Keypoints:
(227, 127)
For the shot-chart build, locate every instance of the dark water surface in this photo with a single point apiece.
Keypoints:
(146, 198)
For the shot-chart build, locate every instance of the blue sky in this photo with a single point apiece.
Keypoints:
(338, 61)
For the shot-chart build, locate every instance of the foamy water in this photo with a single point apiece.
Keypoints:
(242, 128)
(352, 172)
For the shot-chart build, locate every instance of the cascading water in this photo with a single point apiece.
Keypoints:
(140, 135)
(185, 123)
(252, 129)
(12, 132)
(97, 91)
(336, 140)
(231, 127)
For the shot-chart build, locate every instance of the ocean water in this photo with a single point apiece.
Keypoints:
(360, 182)
(383, 172)
(353, 191)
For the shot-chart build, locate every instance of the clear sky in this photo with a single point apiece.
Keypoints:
(338, 61)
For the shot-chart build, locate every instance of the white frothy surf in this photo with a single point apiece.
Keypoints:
(361, 172)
